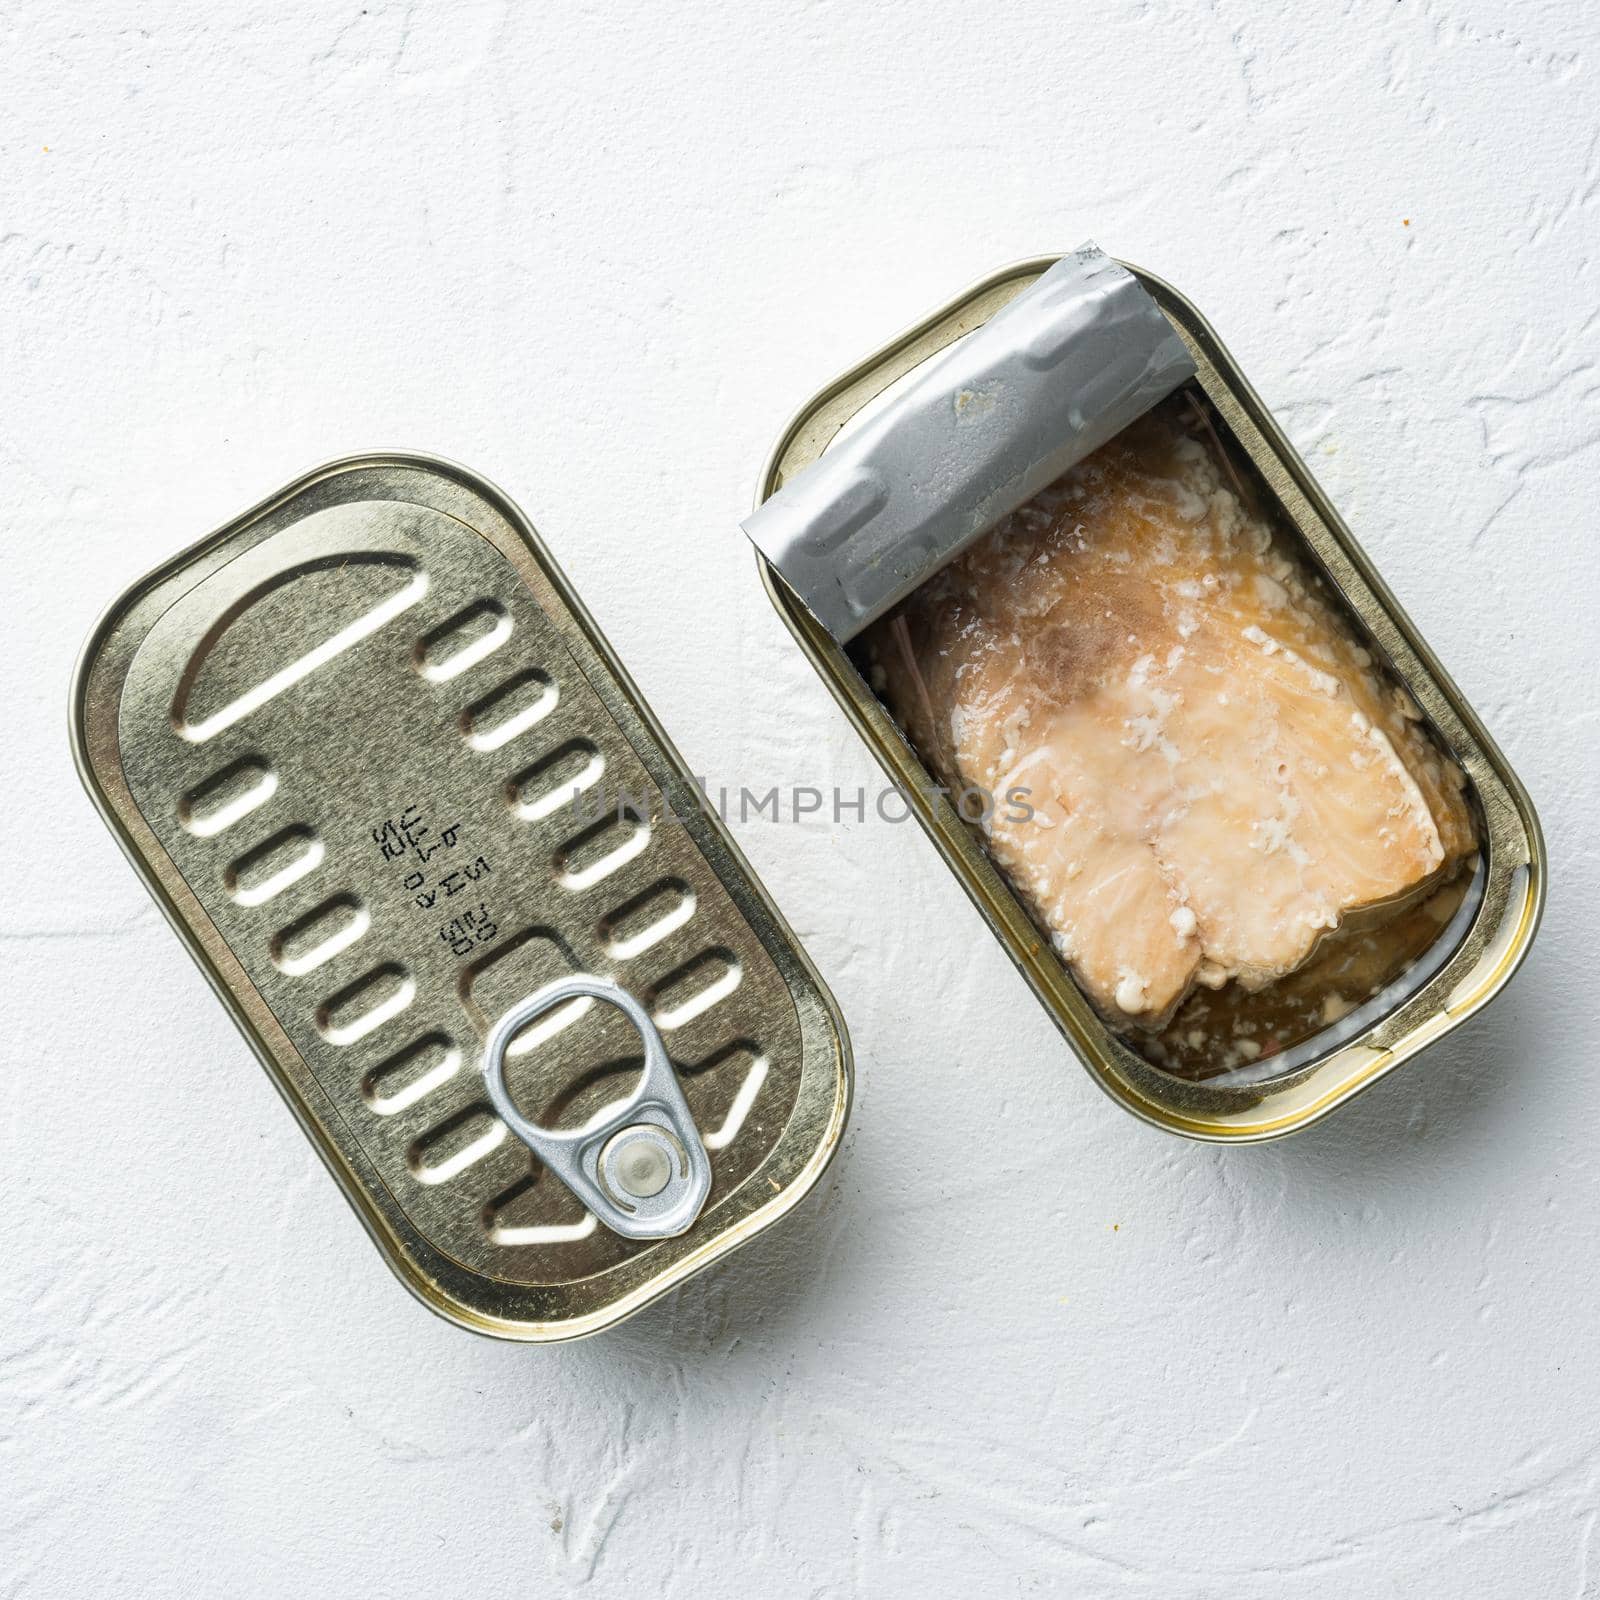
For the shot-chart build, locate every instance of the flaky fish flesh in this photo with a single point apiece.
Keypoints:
(1206, 770)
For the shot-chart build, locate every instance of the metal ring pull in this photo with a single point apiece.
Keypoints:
(639, 1166)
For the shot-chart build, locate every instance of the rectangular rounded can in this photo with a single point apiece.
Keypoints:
(1490, 936)
(386, 778)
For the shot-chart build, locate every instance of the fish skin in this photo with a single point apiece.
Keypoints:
(1219, 772)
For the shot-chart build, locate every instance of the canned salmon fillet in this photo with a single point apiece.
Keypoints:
(1235, 1031)
(1206, 771)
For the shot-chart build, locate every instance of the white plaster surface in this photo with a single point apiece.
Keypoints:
(1020, 1344)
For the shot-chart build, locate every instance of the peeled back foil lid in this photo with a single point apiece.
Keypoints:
(409, 814)
(976, 432)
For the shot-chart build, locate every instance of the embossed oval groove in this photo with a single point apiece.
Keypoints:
(412, 1073)
(367, 621)
(620, 1072)
(513, 1234)
(227, 797)
(543, 1233)
(555, 780)
(597, 852)
(462, 641)
(692, 989)
(271, 866)
(510, 710)
(744, 1097)
(547, 1025)
(364, 1006)
(446, 1151)
(647, 918)
(316, 938)
(521, 964)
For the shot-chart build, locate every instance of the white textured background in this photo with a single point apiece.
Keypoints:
(1021, 1344)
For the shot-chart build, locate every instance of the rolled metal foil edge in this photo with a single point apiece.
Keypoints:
(972, 435)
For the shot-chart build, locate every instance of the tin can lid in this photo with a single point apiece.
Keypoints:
(392, 785)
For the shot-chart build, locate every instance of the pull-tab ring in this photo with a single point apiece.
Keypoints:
(639, 1165)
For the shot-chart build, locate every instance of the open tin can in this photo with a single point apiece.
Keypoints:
(405, 808)
(1470, 960)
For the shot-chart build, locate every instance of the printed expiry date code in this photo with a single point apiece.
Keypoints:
(410, 838)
